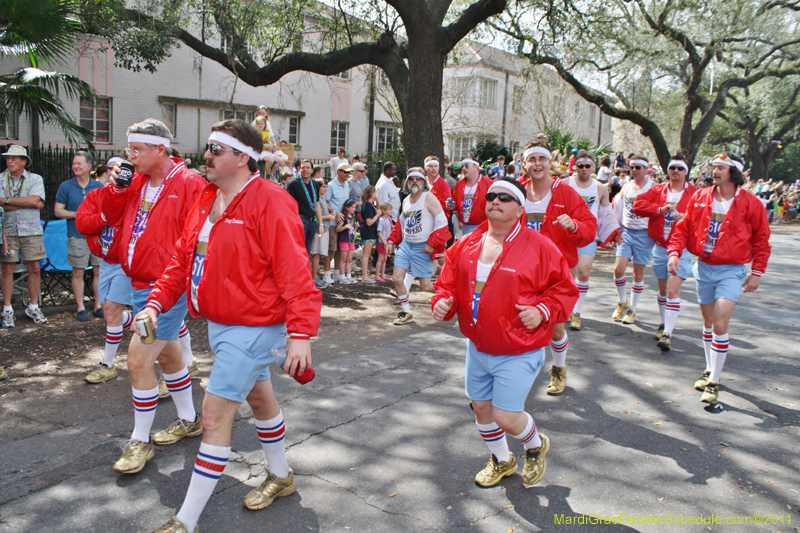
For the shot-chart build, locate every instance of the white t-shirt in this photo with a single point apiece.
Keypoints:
(669, 221)
(535, 211)
(718, 212)
(629, 220)
(334, 164)
(199, 260)
(469, 193)
(482, 274)
(604, 174)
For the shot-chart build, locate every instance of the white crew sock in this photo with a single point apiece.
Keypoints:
(673, 309)
(495, 439)
(621, 282)
(33, 307)
(8, 309)
(208, 467)
(113, 338)
(144, 412)
(636, 293)
(185, 339)
(707, 346)
(407, 281)
(662, 307)
(559, 351)
(272, 435)
(719, 352)
(180, 388)
(583, 288)
(529, 437)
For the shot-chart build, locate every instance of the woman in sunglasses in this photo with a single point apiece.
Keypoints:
(726, 228)
(508, 286)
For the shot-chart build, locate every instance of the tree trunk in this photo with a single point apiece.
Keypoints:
(759, 170)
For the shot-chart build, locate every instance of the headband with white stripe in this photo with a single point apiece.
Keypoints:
(584, 160)
(471, 161)
(432, 163)
(148, 139)
(642, 162)
(234, 143)
(114, 161)
(500, 184)
(679, 163)
(416, 174)
(537, 150)
(729, 162)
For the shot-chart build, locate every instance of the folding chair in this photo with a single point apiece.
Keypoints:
(56, 273)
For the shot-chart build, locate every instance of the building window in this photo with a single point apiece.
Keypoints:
(338, 137)
(516, 100)
(169, 115)
(465, 90)
(294, 130)
(577, 108)
(97, 118)
(514, 146)
(487, 89)
(383, 79)
(8, 129)
(345, 75)
(387, 138)
(460, 148)
(225, 114)
(592, 113)
(609, 124)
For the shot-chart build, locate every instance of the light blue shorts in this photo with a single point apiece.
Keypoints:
(660, 260)
(718, 281)
(589, 249)
(242, 357)
(169, 323)
(636, 243)
(506, 380)
(114, 284)
(467, 228)
(411, 258)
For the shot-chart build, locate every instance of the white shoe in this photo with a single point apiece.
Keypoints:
(8, 319)
(327, 278)
(356, 268)
(336, 276)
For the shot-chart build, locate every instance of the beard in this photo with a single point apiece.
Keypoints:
(415, 189)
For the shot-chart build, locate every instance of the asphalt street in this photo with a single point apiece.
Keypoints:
(383, 439)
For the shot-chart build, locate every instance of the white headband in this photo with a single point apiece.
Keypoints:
(584, 160)
(470, 160)
(114, 160)
(148, 139)
(432, 163)
(417, 174)
(536, 150)
(679, 163)
(224, 138)
(642, 162)
(500, 184)
(730, 163)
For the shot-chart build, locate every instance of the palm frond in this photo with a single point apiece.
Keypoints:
(38, 30)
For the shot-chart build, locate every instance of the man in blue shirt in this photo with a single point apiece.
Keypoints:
(500, 167)
(69, 197)
(338, 193)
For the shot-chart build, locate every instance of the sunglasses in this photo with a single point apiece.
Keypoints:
(416, 178)
(502, 196)
(676, 168)
(724, 157)
(217, 149)
(637, 167)
(584, 166)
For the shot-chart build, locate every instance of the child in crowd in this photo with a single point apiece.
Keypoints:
(319, 246)
(347, 242)
(271, 162)
(369, 230)
(384, 230)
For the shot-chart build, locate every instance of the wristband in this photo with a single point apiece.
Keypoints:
(301, 336)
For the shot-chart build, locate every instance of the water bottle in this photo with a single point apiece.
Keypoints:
(280, 359)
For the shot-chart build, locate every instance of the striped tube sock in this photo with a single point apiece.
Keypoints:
(529, 437)
(208, 467)
(673, 309)
(403, 298)
(272, 435)
(185, 339)
(127, 319)
(662, 307)
(180, 388)
(495, 439)
(636, 293)
(559, 350)
(719, 352)
(144, 412)
(583, 288)
(113, 338)
(621, 282)
(707, 346)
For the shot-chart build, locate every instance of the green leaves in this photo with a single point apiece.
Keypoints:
(38, 30)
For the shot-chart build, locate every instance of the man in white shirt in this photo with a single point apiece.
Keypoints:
(336, 161)
(387, 192)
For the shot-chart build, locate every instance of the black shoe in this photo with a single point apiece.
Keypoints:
(98, 313)
(83, 316)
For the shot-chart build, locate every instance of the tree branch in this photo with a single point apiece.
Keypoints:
(476, 13)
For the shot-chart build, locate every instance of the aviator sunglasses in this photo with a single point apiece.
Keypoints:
(217, 149)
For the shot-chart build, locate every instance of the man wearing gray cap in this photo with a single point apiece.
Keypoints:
(22, 194)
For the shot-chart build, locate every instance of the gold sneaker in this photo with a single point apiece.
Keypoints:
(403, 318)
(163, 390)
(193, 371)
(701, 383)
(272, 487)
(558, 380)
(665, 342)
(178, 430)
(175, 526)
(619, 311)
(535, 463)
(496, 470)
(711, 393)
(135, 455)
(3, 373)
(659, 332)
(575, 321)
(630, 317)
(101, 374)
